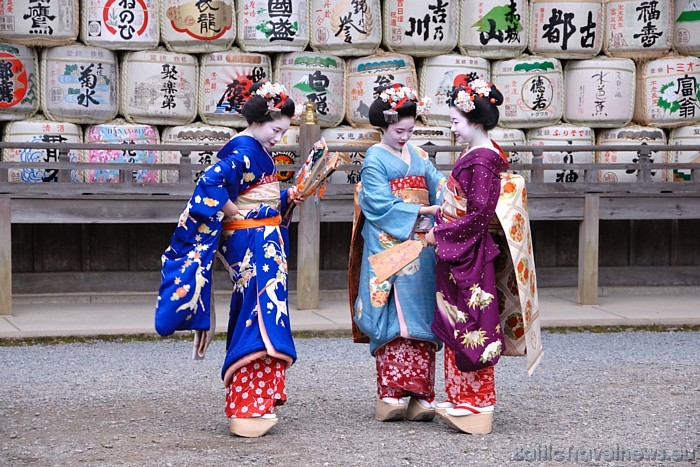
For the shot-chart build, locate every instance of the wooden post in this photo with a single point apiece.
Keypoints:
(588, 247)
(537, 174)
(185, 172)
(309, 241)
(5, 256)
(64, 174)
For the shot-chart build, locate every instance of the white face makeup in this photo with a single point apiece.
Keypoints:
(463, 130)
(269, 133)
(397, 134)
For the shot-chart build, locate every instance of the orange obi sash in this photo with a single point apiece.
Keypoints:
(252, 223)
(412, 189)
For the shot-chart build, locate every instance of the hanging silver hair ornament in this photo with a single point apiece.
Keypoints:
(391, 116)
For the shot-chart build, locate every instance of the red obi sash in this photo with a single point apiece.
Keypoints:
(413, 181)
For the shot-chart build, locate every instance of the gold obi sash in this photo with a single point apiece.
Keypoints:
(412, 189)
(267, 192)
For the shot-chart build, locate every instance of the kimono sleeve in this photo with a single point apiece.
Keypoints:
(379, 205)
(455, 241)
(216, 186)
(436, 182)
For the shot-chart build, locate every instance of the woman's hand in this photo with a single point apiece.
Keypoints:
(230, 209)
(428, 210)
(293, 198)
(430, 237)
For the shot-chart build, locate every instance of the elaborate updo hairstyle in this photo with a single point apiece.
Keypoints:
(267, 102)
(392, 103)
(478, 101)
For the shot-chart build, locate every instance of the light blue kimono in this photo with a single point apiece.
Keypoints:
(404, 304)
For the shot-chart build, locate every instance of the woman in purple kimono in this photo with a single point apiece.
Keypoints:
(236, 210)
(467, 316)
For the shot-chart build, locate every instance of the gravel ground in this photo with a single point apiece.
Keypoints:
(621, 397)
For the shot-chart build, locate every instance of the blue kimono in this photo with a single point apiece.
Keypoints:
(391, 195)
(253, 247)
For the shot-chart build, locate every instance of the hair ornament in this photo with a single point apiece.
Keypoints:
(396, 96)
(476, 88)
(271, 91)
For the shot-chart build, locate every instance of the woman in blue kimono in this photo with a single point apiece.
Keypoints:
(400, 192)
(236, 211)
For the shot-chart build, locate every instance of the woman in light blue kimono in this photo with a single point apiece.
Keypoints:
(400, 191)
(236, 209)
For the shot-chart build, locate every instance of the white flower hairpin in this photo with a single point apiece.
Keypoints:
(396, 95)
(465, 97)
(269, 91)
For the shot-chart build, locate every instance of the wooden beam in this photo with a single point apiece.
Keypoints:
(588, 247)
(5, 256)
(309, 241)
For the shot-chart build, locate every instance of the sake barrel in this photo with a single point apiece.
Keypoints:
(437, 77)
(362, 138)
(159, 87)
(632, 134)
(226, 78)
(638, 28)
(316, 77)
(566, 28)
(273, 26)
(686, 29)
(561, 135)
(420, 28)
(19, 82)
(346, 28)
(494, 29)
(39, 23)
(506, 137)
(195, 26)
(425, 135)
(79, 84)
(195, 134)
(668, 92)
(367, 74)
(39, 130)
(685, 135)
(120, 24)
(532, 89)
(119, 131)
(290, 138)
(599, 92)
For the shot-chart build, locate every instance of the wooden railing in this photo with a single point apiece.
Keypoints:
(587, 201)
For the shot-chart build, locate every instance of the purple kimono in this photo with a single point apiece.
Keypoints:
(466, 318)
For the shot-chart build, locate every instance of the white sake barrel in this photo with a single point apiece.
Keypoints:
(667, 92)
(632, 134)
(120, 24)
(362, 138)
(346, 28)
(19, 82)
(638, 28)
(41, 131)
(566, 28)
(686, 38)
(290, 138)
(317, 77)
(420, 28)
(39, 23)
(194, 26)
(599, 92)
(195, 134)
(685, 135)
(367, 74)
(435, 136)
(273, 26)
(79, 84)
(226, 78)
(506, 137)
(119, 131)
(494, 29)
(159, 87)
(562, 135)
(437, 77)
(532, 89)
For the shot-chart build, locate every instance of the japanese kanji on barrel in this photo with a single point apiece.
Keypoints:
(192, 26)
(684, 135)
(420, 28)
(512, 137)
(19, 82)
(39, 130)
(637, 28)
(39, 24)
(367, 74)
(265, 26)
(632, 135)
(120, 25)
(494, 29)
(343, 28)
(437, 77)
(566, 28)
(159, 87)
(686, 28)
(195, 134)
(119, 131)
(561, 135)
(599, 92)
(79, 84)
(362, 138)
(316, 77)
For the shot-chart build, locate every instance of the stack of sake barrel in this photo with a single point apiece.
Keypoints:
(179, 71)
